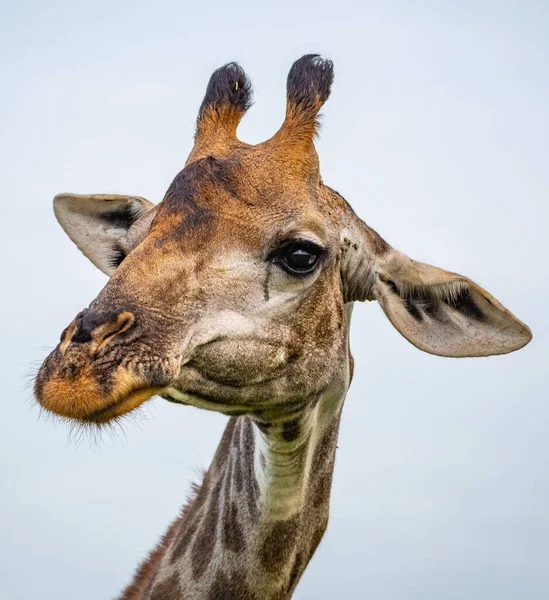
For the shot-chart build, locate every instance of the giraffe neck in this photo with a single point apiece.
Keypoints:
(257, 518)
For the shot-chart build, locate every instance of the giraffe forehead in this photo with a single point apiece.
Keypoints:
(202, 214)
(247, 178)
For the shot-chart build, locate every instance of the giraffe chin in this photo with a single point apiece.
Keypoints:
(81, 398)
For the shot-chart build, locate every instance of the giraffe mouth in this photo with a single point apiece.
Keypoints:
(67, 388)
(82, 402)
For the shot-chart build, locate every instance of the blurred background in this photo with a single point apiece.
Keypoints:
(437, 132)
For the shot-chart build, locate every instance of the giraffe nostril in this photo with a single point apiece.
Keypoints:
(122, 323)
(100, 327)
(83, 333)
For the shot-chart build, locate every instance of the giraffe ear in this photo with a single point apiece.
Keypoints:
(444, 313)
(105, 227)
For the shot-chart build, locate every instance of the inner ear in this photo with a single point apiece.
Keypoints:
(105, 227)
(433, 301)
(444, 313)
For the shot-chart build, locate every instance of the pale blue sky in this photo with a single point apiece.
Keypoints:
(437, 132)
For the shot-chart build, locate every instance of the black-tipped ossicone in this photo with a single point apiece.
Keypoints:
(310, 82)
(229, 86)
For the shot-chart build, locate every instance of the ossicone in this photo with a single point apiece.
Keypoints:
(309, 85)
(228, 97)
(229, 89)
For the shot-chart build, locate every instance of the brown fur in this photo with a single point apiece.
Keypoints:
(169, 589)
(146, 571)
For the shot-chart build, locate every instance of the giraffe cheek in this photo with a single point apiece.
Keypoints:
(240, 361)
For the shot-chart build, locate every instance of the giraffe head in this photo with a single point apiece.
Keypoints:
(232, 293)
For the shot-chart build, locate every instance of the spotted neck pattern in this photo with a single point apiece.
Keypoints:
(253, 525)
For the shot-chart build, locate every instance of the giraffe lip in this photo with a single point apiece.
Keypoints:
(73, 387)
(80, 397)
(120, 406)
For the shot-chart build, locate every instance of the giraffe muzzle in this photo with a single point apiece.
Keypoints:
(84, 379)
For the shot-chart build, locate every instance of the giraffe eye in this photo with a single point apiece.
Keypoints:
(299, 257)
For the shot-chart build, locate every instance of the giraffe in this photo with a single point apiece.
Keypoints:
(235, 294)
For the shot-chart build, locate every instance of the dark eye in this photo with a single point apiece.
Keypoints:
(299, 258)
